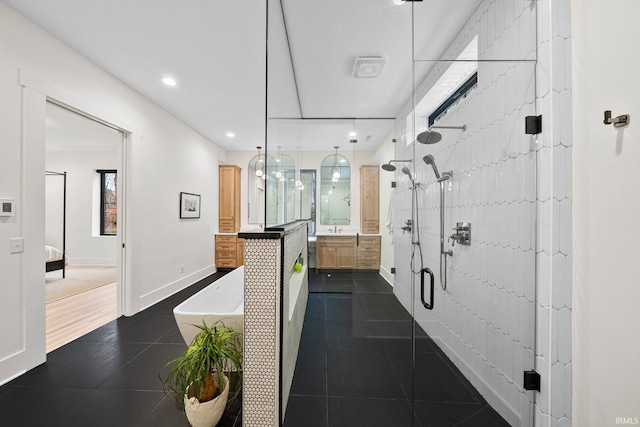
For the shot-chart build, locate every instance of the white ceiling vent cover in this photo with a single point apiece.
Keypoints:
(368, 67)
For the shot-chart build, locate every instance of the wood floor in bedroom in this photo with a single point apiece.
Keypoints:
(72, 317)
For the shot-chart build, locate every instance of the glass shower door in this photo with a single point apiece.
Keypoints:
(473, 302)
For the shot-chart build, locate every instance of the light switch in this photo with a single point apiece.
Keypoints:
(16, 245)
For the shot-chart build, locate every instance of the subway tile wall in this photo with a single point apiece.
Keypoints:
(508, 304)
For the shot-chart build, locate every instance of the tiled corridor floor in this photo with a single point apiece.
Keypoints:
(108, 377)
(354, 366)
(354, 369)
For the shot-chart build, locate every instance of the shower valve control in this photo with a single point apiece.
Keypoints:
(408, 226)
(462, 234)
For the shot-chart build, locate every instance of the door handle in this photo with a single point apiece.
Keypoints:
(428, 306)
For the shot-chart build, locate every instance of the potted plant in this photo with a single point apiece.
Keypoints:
(200, 378)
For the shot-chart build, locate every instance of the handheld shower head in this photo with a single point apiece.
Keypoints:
(428, 159)
(407, 172)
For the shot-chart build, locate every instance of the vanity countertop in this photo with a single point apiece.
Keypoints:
(348, 233)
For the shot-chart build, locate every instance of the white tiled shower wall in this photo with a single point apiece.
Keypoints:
(554, 252)
(504, 182)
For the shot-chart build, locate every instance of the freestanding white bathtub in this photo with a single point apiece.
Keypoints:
(222, 300)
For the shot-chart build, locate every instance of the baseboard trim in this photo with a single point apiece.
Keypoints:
(12, 367)
(386, 275)
(147, 300)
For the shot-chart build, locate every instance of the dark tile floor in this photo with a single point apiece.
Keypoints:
(354, 369)
(108, 377)
(354, 366)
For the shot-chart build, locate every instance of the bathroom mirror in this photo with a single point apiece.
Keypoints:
(280, 187)
(256, 179)
(335, 190)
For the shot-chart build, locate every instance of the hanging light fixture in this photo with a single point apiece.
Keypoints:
(353, 135)
(279, 173)
(259, 171)
(335, 167)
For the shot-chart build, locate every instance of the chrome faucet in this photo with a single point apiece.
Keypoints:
(407, 227)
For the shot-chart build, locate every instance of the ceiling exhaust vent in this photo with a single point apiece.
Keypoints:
(369, 66)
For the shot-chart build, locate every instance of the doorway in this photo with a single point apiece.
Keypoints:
(82, 159)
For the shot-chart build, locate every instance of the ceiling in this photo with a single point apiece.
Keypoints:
(216, 53)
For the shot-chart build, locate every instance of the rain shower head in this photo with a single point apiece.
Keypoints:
(430, 136)
(389, 167)
(428, 159)
(407, 172)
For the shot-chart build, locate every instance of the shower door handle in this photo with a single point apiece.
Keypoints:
(428, 306)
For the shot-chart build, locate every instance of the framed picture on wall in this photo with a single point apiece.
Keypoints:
(189, 205)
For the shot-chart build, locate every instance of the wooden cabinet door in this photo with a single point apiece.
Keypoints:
(325, 256)
(346, 255)
(369, 199)
(229, 199)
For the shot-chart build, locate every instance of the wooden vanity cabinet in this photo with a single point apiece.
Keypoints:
(229, 251)
(348, 252)
(368, 253)
(336, 252)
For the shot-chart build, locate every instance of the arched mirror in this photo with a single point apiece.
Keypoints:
(256, 178)
(335, 190)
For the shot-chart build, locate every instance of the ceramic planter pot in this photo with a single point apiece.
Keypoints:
(207, 414)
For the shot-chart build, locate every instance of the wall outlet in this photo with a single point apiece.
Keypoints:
(16, 245)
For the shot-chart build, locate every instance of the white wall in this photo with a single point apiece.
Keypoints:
(165, 158)
(606, 391)
(84, 244)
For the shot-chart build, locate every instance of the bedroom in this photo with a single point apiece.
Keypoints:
(80, 224)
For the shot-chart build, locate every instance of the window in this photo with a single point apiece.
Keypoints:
(108, 202)
(456, 96)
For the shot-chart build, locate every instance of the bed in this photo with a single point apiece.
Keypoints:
(55, 258)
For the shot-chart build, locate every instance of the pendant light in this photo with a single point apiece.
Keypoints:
(259, 171)
(279, 173)
(335, 167)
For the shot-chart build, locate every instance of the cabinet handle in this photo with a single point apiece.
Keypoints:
(357, 239)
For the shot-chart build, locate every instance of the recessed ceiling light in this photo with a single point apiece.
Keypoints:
(231, 135)
(398, 2)
(169, 81)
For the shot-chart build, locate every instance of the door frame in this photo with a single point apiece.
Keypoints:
(36, 92)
